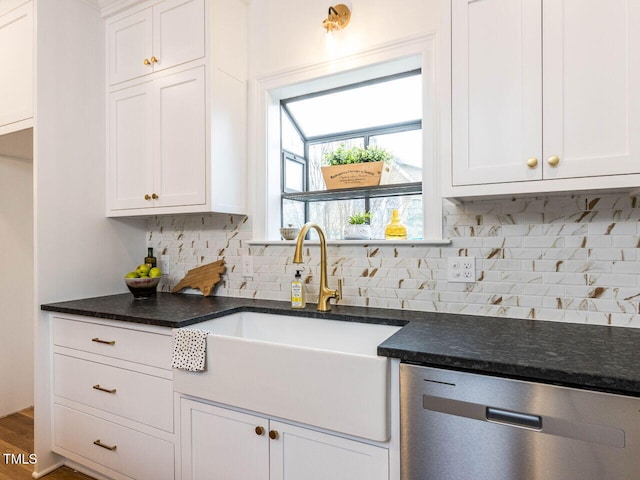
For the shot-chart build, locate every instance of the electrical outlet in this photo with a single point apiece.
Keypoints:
(461, 269)
(247, 265)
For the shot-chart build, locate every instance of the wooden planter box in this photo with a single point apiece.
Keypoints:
(354, 175)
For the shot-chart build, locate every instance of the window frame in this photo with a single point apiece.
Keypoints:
(364, 133)
(418, 51)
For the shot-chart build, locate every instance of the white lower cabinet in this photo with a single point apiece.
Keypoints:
(224, 444)
(113, 401)
(125, 451)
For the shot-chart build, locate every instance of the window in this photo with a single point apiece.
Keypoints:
(385, 112)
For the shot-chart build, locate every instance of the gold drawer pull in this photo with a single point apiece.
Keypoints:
(259, 431)
(273, 434)
(154, 59)
(106, 342)
(102, 389)
(108, 447)
(146, 61)
(532, 162)
(553, 161)
(154, 196)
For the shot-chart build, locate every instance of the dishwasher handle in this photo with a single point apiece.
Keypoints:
(516, 419)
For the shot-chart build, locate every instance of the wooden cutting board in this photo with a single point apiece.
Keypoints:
(203, 278)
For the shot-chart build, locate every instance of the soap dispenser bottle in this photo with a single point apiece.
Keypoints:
(297, 291)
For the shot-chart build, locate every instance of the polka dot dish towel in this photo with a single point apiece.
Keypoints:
(189, 349)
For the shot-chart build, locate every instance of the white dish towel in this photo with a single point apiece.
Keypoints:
(189, 349)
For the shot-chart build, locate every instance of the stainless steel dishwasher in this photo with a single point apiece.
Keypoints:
(462, 426)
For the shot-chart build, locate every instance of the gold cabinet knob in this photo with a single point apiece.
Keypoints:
(154, 59)
(154, 196)
(259, 431)
(147, 196)
(532, 162)
(147, 62)
(553, 161)
(273, 434)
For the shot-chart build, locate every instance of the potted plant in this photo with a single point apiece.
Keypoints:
(347, 167)
(358, 227)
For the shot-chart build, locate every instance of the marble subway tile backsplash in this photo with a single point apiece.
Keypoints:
(572, 258)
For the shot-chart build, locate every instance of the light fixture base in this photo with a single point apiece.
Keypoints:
(338, 18)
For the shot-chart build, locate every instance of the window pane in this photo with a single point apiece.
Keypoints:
(317, 151)
(406, 148)
(292, 213)
(333, 216)
(293, 175)
(291, 141)
(385, 103)
(409, 208)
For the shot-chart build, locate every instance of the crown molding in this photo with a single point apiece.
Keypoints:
(111, 7)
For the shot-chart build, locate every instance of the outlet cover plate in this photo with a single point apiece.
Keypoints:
(247, 266)
(461, 269)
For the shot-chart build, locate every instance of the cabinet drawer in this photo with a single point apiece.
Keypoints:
(136, 396)
(123, 343)
(131, 453)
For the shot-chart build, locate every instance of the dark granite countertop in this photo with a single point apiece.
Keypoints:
(584, 356)
(179, 310)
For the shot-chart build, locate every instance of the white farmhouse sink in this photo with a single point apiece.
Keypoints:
(315, 371)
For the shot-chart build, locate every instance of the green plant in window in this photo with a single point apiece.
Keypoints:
(348, 155)
(359, 218)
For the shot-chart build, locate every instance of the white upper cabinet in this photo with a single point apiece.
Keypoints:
(168, 34)
(542, 96)
(158, 142)
(16, 59)
(497, 85)
(176, 130)
(591, 108)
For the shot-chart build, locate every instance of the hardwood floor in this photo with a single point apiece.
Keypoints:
(16, 444)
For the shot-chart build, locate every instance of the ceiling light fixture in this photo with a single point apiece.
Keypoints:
(338, 18)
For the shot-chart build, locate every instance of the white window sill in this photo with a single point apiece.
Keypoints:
(395, 243)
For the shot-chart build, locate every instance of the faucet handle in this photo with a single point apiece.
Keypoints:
(339, 290)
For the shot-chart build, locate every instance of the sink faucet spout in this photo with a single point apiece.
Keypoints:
(325, 292)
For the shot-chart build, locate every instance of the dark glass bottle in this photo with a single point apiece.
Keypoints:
(150, 258)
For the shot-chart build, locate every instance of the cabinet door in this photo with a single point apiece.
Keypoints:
(178, 32)
(16, 59)
(129, 42)
(591, 95)
(221, 444)
(130, 148)
(305, 454)
(180, 139)
(497, 90)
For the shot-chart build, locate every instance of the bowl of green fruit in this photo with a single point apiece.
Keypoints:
(143, 281)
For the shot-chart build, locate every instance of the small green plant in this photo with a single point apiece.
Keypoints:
(344, 155)
(359, 218)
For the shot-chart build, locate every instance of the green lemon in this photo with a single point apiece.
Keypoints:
(131, 275)
(155, 272)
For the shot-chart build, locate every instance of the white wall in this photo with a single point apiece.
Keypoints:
(16, 284)
(288, 33)
(78, 251)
